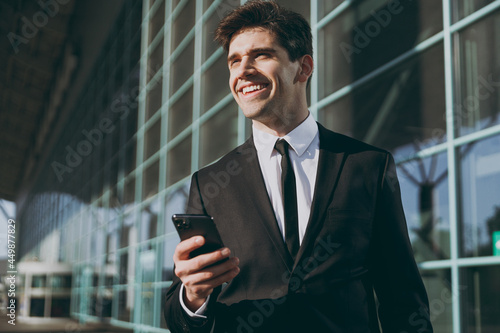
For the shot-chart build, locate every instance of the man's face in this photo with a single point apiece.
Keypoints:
(263, 80)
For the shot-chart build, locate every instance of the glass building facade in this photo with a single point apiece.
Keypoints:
(418, 78)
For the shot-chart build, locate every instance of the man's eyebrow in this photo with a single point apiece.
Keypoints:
(257, 50)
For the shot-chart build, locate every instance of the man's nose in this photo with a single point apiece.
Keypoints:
(246, 68)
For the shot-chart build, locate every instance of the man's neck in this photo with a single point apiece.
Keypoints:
(282, 127)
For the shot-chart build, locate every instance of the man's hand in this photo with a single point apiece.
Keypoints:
(198, 275)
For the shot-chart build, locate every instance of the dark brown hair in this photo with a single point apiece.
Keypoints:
(290, 28)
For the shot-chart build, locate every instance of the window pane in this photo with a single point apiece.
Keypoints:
(438, 286)
(462, 8)
(179, 161)
(183, 23)
(150, 180)
(152, 139)
(424, 192)
(326, 6)
(478, 78)
(480, 305)
(37, 307)
(149, 220)
(128, 157)
(156, 23)
(60, 307)
(215, 83)
(209, 46)
(168, 262)
(125, 304)
(180, 114)
(219, 134)
(182, 68)
(302, 7)
(368, 35)
(402, 110)
(129, 191)
(153, 99)
(155, 61)
(479, 171)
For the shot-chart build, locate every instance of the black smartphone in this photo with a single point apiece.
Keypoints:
(189, 225)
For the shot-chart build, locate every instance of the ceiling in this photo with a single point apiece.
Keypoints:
(32, 46)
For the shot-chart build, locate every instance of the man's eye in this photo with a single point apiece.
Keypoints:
(234, 62)
(263, 55)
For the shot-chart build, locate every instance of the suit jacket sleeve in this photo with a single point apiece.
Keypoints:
(176, 318)
(403, 303)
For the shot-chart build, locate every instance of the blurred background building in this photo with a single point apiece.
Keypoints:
(108, 107)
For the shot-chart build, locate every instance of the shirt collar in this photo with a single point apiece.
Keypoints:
(299, 138)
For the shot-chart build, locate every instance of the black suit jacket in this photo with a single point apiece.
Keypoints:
(356, 242)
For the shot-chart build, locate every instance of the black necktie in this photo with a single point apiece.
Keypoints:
(289, 191)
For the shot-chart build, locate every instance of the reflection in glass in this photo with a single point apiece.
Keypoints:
(175, 203)
(61, 281)
(38, 281)
(480, 301)
(128, 157)
(369, 34)
(424, 192)
(157, 21)
(59, 307)
(149, 221)
(183, 23)
(125, 305)
(182, 67)
(155, 61)
(219, 134)
(479, 171)
(209, 46)
(169, 245)
(478, 76)
(402, 110)
(129, 191)
(463, 8)
(438, 286)
(152, 139)
(153, 99)
(326, 6)
(150, 180)
(37, 307)
(180, 114)
(215, 85)
(147, 262)
(302, 7)
(179, 161)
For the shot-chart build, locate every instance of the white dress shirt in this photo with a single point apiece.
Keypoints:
(304, 155)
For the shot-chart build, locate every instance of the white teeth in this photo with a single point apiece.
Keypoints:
(252, 88)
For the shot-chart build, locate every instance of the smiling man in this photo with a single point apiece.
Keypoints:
(312, 219)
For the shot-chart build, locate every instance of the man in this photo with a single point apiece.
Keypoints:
(314, 223)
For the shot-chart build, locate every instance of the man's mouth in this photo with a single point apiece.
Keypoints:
(252, 88)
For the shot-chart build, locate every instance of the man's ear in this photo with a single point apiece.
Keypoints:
(306, 68)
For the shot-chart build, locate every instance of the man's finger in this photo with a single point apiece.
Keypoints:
(185, 247)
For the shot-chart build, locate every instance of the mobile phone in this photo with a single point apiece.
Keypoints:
(189, 225)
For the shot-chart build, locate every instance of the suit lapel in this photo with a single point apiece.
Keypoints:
(330, 163)
(252, 182)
